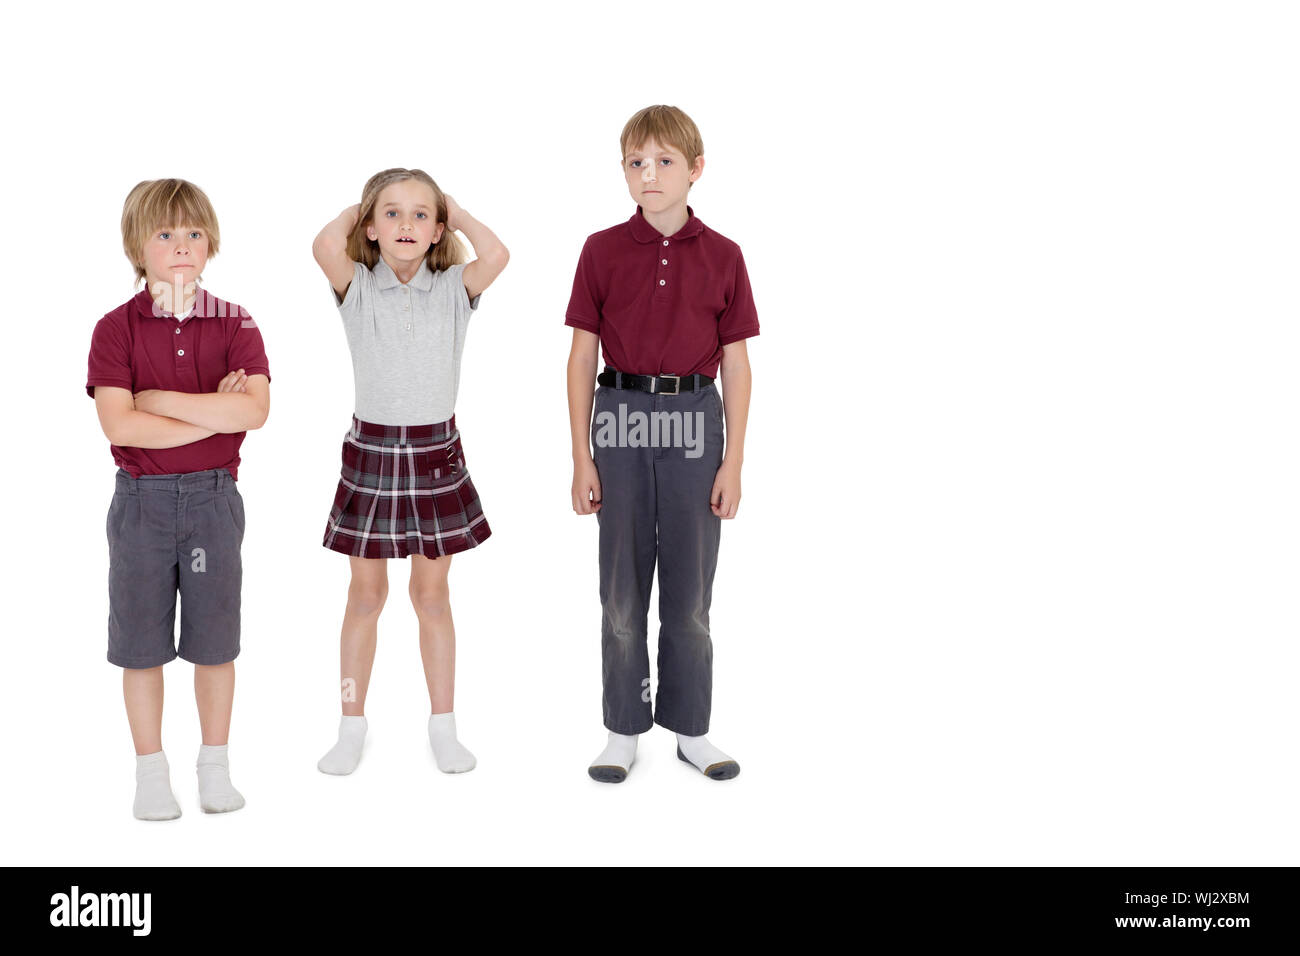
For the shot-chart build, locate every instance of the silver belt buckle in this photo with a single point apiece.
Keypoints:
(677, 384)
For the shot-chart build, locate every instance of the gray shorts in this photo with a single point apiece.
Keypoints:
(170, 532)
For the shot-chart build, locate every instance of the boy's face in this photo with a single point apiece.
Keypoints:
(658, 177)
(175, 255)
(404, 223)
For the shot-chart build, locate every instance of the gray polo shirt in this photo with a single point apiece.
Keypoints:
(406, 342)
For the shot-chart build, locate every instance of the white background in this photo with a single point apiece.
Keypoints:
(1012, 579)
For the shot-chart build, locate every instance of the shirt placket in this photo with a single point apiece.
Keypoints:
(183, 352)
(661, 270)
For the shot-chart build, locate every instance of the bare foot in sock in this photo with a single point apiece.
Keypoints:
(448, 752)
(346, 754)
(216, 793)
(154, 799)
(615, 761)
(706, 758)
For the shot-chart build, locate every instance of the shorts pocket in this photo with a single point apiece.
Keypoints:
(235, 502)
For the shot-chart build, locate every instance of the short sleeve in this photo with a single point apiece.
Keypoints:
(358, 289)
(246, 349)
(738, 319)
(585, 301)
(459, 294)
(110, 357)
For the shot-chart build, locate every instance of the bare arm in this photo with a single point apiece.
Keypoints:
(330, 249)
(125, 426)
(724, 498)
(736, 383)
(491, 251)
(583, 356)
(220, 411)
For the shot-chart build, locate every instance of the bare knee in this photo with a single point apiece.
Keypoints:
(431, 601)
(366, 599)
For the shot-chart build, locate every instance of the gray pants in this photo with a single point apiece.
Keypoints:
(169, 534)
(655, 506)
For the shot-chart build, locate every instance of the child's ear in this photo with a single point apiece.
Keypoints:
(438, 235)
(371, 234)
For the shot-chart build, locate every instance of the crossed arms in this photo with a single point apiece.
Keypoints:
(163, 419)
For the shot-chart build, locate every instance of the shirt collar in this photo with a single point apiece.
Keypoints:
(642, 231)
(144, 304)
(386, 278)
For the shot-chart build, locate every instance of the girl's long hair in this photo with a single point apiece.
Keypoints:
(447, 251)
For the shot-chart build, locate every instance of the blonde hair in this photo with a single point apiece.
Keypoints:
(161, 204)
(666, 125)
(446, 252)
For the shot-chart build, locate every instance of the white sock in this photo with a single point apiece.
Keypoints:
(615, 761)
(346, 754)
(216, 793)
(154, 799)
(448, 752)
(706, 758)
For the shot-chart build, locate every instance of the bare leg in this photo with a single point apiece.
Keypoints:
(366, 596)
(214, 692)
(143, 691)
(432, 602)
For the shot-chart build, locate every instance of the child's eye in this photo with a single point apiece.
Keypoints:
(195, 234)
(633, 163)
(164, 235)
(391, 213)
(666, 160)
(420, 215)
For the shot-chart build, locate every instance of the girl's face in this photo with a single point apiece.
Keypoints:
(175, 255)
(658, 177)
(405, 221)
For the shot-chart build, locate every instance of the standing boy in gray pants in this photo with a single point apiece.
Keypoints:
(669, 301)
(178, 376)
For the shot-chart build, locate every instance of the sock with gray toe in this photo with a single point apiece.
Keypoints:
(706, 758)
(615, 761)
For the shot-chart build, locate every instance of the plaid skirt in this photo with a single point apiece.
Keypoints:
(404, 490)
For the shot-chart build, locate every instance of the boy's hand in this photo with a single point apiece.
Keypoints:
(453, 212)
(233, 382)
(151, 399)
(725, 497)
(586, 488)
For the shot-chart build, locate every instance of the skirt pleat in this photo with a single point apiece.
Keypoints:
(403, 490)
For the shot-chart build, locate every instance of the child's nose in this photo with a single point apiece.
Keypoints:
(648, 174)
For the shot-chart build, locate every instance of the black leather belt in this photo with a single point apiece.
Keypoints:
(654, 384)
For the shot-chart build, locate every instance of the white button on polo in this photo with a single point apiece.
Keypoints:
(408, 326)
(661, 281)
(180, 351)
(178, 331)
(664, 261)
(665, 242)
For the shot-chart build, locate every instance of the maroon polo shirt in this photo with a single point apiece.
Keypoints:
(138, 347)
(662, 304)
